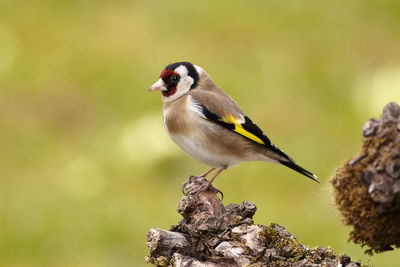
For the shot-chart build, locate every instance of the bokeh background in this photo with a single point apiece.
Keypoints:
(86, 168)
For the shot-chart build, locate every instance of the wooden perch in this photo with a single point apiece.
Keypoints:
(211, 234)
(367, 187)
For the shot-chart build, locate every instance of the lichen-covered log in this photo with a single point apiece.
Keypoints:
(211, 234)
(367, 187)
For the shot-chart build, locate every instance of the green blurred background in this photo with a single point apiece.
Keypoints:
(86, 168)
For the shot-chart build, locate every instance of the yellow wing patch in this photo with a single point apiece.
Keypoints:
(239, 128)
(230, 119)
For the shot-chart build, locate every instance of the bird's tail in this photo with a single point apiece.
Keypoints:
(292, 165)
(284, 159)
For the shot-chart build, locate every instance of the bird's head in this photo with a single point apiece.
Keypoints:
(177, 79)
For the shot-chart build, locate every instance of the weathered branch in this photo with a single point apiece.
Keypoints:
(367, 187)
(213, 235)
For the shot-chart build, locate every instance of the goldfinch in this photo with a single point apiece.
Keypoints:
(208, 124)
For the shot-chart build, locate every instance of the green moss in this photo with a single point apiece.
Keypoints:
(160, 261)
(284, 243)
(270, 234)
(288, 247)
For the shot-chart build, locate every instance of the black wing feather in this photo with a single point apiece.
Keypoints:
(254, 129)
(251, 127)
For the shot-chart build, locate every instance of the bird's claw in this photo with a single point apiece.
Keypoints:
(183, 187)
(202, 187)
(215, 190)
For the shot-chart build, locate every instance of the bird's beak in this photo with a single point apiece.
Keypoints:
(158, 86)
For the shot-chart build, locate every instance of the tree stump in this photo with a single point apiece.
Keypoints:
(367, 187)
(211, 234)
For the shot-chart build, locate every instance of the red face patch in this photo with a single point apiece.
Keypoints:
(166, 77)
(167, 74)
(169, 92)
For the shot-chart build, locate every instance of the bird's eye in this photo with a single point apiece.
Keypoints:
(175, 78)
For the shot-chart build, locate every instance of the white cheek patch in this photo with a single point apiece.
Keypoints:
(186, 81)
(185, 84)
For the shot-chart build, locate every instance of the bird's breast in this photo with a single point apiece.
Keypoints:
(177, 118)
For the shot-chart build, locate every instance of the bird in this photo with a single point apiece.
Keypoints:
(209, 125)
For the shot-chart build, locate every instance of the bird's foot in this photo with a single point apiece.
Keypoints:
(184, 185)
(215, 190)
(197, 184)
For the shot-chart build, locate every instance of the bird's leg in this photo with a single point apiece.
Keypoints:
(215, 176)
(211, 187)
(207, 173)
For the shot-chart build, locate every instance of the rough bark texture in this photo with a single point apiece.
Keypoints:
(367, 187)
(213, 235)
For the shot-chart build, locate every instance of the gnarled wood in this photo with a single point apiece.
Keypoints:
(211, 234)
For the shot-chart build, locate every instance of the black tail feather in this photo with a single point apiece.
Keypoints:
(297, 168)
